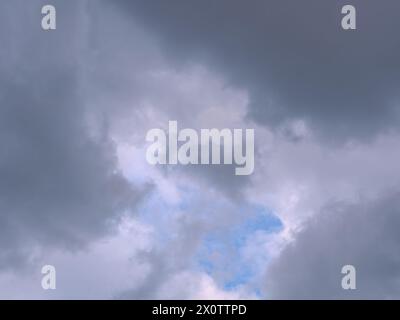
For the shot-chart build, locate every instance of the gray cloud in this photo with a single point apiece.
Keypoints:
(59, 185)
(64, 94)
(364, 235)
(293, 57)
(296, 62)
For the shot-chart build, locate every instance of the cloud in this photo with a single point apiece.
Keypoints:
(180, 244)
(292, 58)
(75, 106)
(364, 235)
(297, 179)
(75, 115)
(59, 183)
(336, 205)
(78, 273)
(198, 286)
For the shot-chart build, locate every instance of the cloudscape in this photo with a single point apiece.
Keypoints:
(304, 181)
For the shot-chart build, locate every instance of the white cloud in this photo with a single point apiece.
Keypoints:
(197, 286)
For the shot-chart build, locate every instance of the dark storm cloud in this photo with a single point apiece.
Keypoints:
(364, 235)
(292, 56)
(58, 183)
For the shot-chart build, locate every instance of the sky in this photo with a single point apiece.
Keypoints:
(76, 191)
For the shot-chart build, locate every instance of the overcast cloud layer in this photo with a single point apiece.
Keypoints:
(76, 190)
